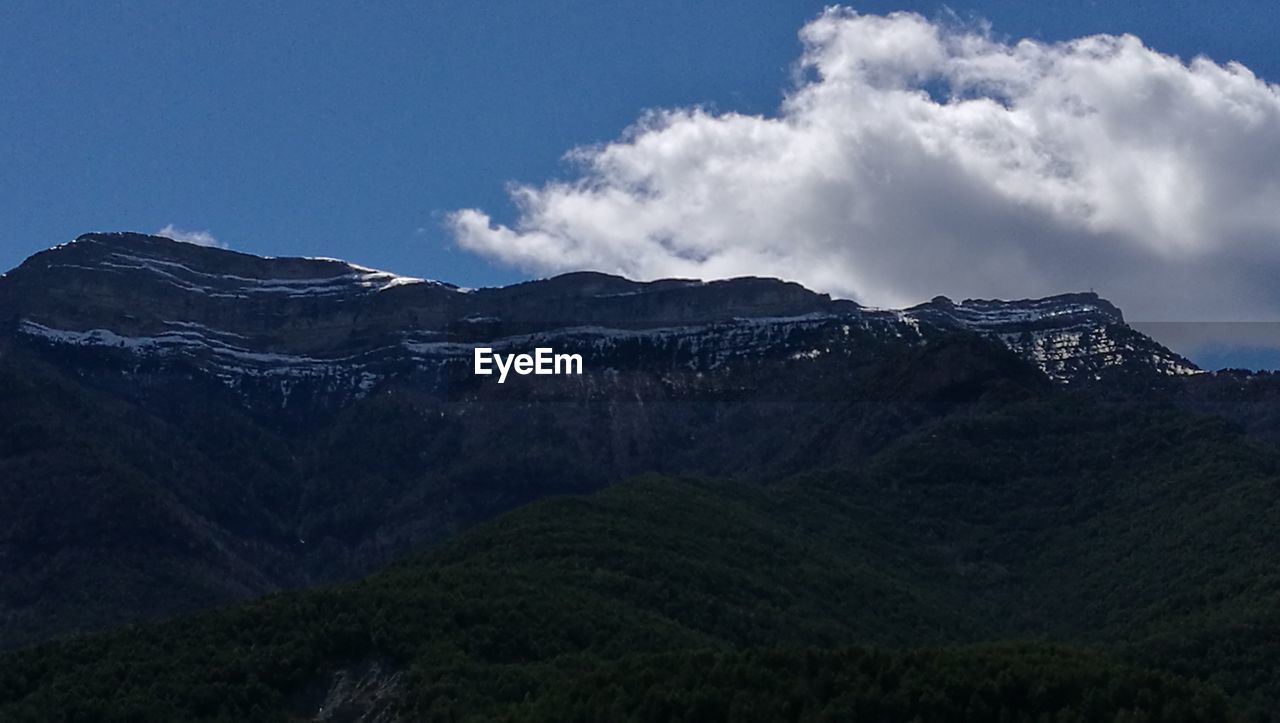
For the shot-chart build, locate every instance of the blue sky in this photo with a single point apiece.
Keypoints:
(350, 130)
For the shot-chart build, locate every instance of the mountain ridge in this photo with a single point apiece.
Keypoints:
(241, 317)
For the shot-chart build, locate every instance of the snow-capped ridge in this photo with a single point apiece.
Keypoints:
(240, 317)
(223, 272)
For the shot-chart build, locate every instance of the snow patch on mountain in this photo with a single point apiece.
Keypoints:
(350, 277)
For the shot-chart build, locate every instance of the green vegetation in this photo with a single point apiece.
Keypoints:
(973, 684)
(111, 513)
(1130, 530)
(135, 496)
(1129, 544)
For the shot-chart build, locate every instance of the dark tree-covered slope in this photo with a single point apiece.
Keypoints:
(950, 536)
(167, 496)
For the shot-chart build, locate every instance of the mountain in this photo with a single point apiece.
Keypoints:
(318, 333)
(1070, 337)
(749, 481)
(193, 426)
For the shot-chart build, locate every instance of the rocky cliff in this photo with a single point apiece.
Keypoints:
(327, 332)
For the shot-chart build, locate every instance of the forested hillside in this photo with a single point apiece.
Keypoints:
(1129, 530)
(161, 494)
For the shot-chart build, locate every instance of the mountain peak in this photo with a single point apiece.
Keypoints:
(152, 260)
(1078, 307)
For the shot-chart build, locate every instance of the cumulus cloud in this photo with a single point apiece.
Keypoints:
(199, 238)
(913, 158)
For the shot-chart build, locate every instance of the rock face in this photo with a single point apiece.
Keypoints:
(325, 332)
(1070, 337)
(369, 692)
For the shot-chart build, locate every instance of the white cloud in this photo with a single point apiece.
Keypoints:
(913, 159)
(199, 238)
